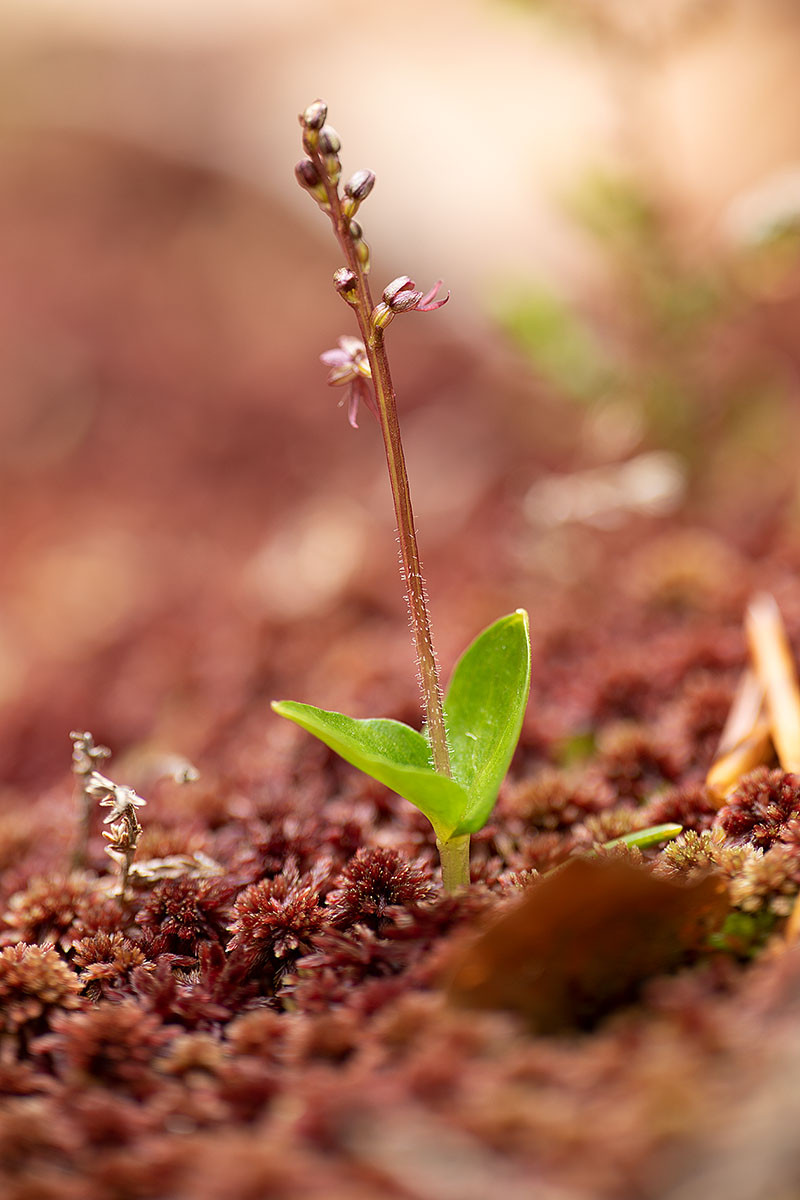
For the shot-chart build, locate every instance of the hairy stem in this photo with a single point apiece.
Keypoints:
(455, 862)
(411, 564)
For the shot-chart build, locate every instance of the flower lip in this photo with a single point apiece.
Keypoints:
(429, 301)
(359, 391)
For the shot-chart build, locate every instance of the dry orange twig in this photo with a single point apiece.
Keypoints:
(772, 658)
(745, 741)
(792, 931)
(725, 772)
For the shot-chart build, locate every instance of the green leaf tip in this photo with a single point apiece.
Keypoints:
(484, 708)
(652, 836)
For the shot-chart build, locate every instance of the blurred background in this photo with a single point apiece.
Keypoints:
(611, 189)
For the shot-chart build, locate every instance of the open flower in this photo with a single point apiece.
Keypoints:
(350, 368)
(400, 296)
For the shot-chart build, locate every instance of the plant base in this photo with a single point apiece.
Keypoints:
(455, 862)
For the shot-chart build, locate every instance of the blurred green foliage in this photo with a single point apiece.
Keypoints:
(562, 346)
(678, 335)
(744, 934)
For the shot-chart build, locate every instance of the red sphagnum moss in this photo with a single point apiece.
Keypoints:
(271, 1019)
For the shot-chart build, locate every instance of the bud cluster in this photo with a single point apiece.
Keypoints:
(319, 174)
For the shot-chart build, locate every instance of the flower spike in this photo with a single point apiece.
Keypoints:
(366, 375)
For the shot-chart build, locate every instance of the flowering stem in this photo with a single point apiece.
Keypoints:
(411, 565)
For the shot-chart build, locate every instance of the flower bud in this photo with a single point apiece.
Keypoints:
(401, 296)
(329, 140)
(344, 280)
(362, 251)
(360, 246)
(404, 301)
(315, 115)
(401, 284)
(381, 316)
(307, 174)
(360, 185)
(308, 177)
(329, 146)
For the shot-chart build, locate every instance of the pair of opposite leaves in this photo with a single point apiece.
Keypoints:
(483, 708)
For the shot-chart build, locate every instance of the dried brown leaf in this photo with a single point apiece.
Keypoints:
(583, 940)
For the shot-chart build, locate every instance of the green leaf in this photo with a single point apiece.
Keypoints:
(651, 836)
(484, 708)
(390, 752)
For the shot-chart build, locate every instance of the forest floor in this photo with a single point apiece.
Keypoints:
(291, 1009)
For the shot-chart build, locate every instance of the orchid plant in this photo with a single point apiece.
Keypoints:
(451, 771)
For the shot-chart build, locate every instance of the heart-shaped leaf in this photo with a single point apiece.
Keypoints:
(484, 708)
(390, 752)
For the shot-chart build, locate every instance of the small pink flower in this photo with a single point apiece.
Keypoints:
(400, 296)
(350, 368)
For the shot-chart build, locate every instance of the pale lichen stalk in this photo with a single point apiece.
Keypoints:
(124, 827)
(85, 758)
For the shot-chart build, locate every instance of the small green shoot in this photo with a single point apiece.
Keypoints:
(483, 709)
(453, 771)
